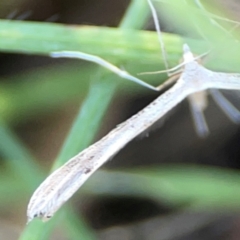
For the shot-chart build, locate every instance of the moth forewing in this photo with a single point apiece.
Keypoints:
(222, 80)
(64, 182)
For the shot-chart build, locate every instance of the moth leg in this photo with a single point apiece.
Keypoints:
(198, 103)
(168, 82)
(103, 63)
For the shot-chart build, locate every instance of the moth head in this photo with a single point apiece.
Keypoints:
(187, 54)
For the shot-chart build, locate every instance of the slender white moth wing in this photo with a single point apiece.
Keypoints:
(65, 181)
(220, 80)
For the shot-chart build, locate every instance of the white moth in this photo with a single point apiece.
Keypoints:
(191, 83)
(66, 180)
